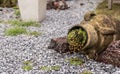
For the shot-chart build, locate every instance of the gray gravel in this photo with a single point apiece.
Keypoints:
(15, 50)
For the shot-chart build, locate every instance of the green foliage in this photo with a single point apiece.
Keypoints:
(27, 68)
(34, 33)
(27, 65)
(15, 31)
(87, 72)
(75, 61)
(77, 37)
(16, 7)
(22, 23)
(47, 68)
(103, 9)
(17, 12)
(8, 3)
(56, 68)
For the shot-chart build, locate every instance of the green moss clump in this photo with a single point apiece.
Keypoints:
(87, 72)
(27, 68)
(27, 65)
(17, 12)
(77, 38)
(56, 68)
(15, 31)
(45, 68)
(22, 23)
(103, 9)
(8, 3)
(75, 61)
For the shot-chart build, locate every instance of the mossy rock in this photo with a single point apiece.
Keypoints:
(8, 3)
(102, 8)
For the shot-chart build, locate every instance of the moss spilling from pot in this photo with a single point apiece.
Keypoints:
(77, 39)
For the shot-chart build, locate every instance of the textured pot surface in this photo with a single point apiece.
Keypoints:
(101, 30)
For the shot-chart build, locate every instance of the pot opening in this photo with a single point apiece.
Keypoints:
(77, 38)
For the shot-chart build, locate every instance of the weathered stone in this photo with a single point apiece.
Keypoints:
(59, 44)
(111, 55)
(57, 4)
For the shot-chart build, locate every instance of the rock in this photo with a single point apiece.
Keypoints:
(111, 55)
(59, 44)
(8, 3)
(81, 4)
(57, 4)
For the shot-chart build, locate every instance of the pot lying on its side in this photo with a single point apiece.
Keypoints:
(99, 32)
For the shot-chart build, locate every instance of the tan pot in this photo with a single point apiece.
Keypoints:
(101, 31)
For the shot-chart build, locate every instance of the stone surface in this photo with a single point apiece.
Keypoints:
(60, 45)
(111, 55)
(17, 49)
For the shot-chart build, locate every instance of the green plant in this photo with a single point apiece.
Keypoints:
(15, 31)
(77, 38)
(34, 33)
(87, 72)
(27, 68)
(75, 61)
(56, 68)
(17, 12)
(45, 68)
(27, 65)
(22, 23)
(8, 3)
(16, 7)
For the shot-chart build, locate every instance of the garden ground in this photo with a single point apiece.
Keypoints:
(28, 54)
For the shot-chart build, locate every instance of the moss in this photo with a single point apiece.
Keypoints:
(87, 72)
(27, 68)
(27, 65)
(22, 23)
(49, 68)
(77, 39)
(75, 61)
(16, 7)
(103, 9)
(8, 3)
(56, 68)
(15, 31)
(45, 68)
(17, 12)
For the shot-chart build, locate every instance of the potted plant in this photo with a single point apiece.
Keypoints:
(32, 9)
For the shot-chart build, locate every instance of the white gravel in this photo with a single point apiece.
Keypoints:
(17, 49)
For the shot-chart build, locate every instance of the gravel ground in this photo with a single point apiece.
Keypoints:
(15, 50)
